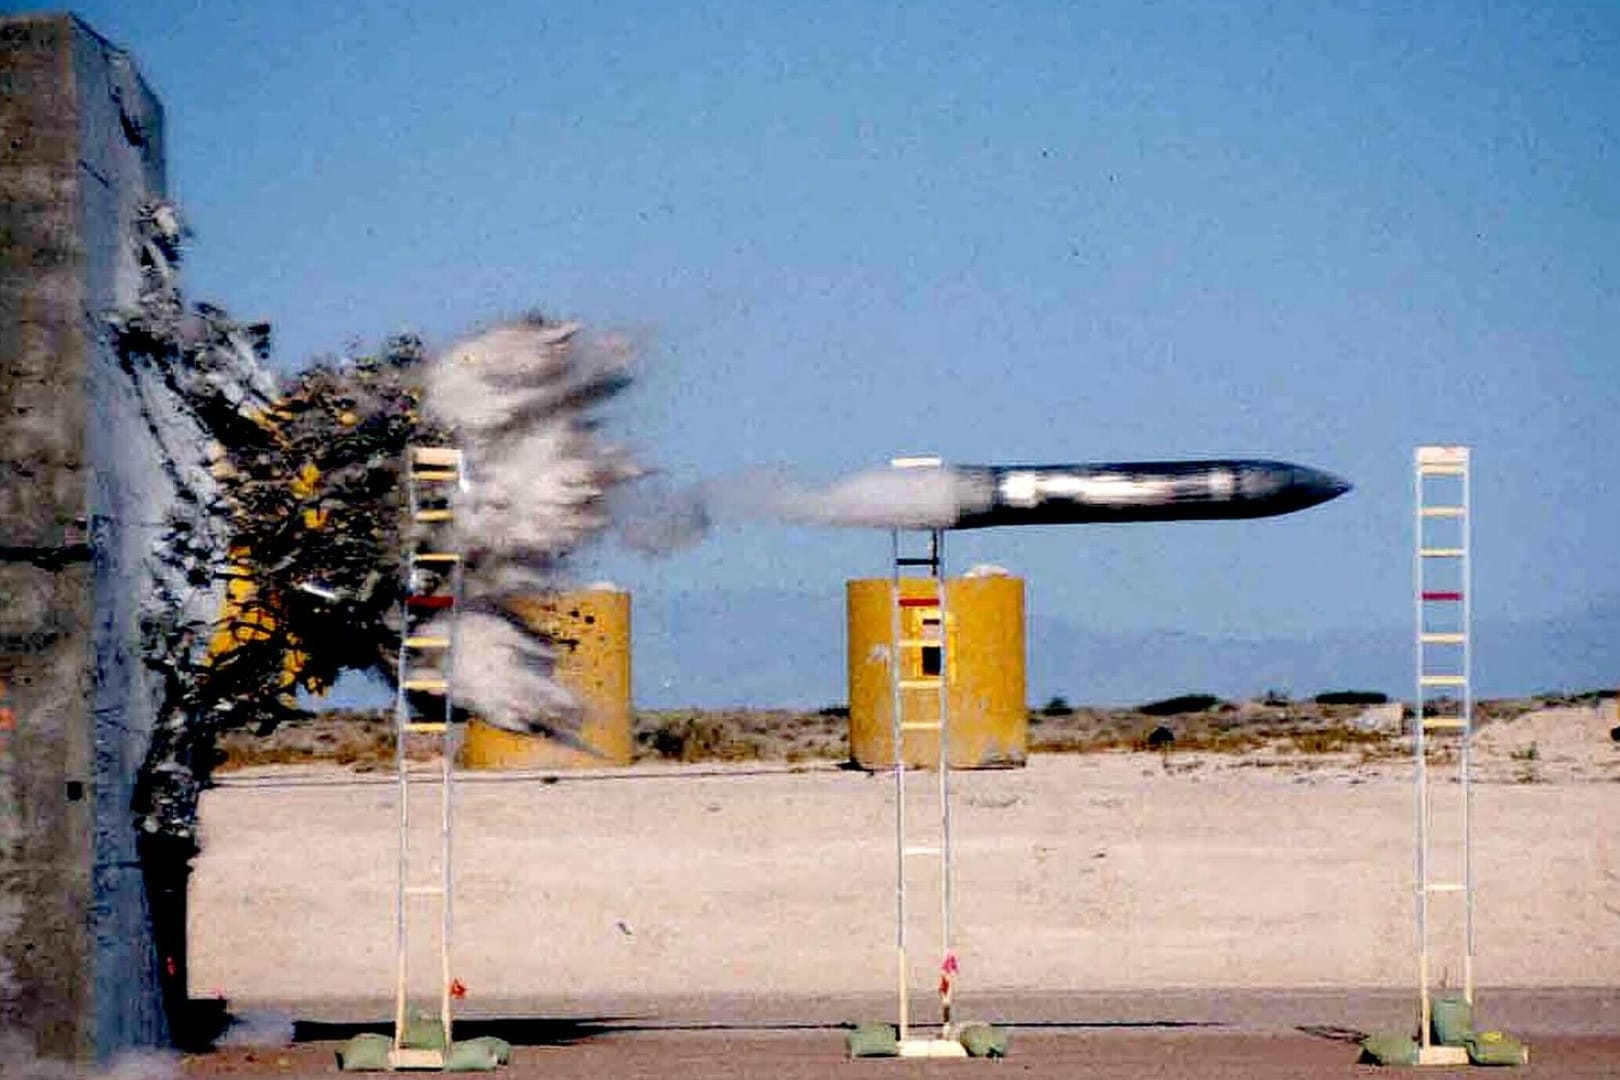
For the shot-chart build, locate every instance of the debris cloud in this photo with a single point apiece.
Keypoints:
(519, 401)
(280, 567)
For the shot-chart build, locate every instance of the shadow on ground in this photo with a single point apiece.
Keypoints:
(517, 1030)
(560, 1031)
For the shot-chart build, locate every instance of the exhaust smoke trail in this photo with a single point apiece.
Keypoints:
(657, 519)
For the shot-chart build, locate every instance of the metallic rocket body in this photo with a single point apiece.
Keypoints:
(997, 495)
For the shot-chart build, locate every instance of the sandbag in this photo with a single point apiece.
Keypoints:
(1389, 1048)
(500, 1048)
(1495, 1048)
(1451, 1021)
(470, 1056)
(984, 1040)
(423, 1033)
(873, 1040)
(367, 1052)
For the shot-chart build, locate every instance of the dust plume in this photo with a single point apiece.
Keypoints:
(17, 1059)
(259, 1028)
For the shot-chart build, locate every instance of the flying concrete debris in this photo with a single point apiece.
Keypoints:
(925, 493)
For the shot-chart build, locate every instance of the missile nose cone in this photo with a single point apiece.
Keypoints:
(1319, 486)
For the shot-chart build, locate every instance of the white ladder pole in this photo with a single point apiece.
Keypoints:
(1465, 756)
(946, 894)
(897, 718)
(402, 716)
(1420, 756)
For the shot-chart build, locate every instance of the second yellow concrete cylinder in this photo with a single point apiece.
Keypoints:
(984, 643)
(590, 631)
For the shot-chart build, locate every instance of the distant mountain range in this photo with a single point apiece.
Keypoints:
(762, 648)
(766, 648)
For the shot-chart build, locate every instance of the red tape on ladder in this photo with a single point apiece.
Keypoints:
(1442, 596)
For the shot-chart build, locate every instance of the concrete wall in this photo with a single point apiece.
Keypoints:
(85, 448)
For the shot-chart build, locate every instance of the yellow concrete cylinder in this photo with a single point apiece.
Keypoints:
(590, 630)
(984, 632)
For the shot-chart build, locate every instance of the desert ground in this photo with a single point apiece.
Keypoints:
(1125, 912)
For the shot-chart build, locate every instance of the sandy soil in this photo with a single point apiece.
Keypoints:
(1112, 888)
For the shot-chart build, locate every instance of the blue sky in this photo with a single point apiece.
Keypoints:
(993, 231)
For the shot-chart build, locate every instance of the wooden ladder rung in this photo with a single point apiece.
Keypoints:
(408, 1058)
(436, 455)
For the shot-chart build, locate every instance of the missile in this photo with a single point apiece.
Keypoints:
(990, 496)
(926, 493)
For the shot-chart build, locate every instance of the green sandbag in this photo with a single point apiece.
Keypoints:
(873, 1040)
(500, 1048)
(366, 1052)
(470, 1056)
(1389, 1048)
(984, 1040)
(423, 1033)
(1495, 1048)
(1451, 1020)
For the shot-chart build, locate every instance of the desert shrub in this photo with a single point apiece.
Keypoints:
(1529, 753)
(1058, 706)
(1352, 697)
(1333, 740)
(1184, 703)
(836, 712)
(691, 737)
(1160, 738)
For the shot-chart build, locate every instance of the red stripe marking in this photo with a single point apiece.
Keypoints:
(919, 601)
(1442, 596)
(431, 602)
